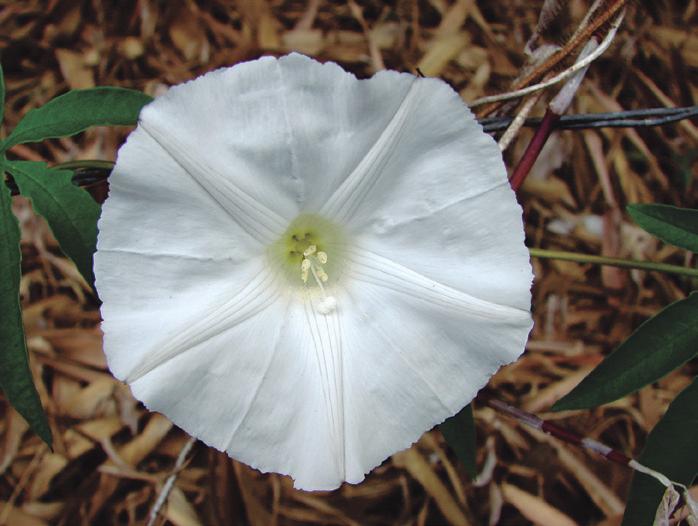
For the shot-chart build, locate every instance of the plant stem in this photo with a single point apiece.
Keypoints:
(74, 165)
(612, 262)
(534, 148)
(606, 13)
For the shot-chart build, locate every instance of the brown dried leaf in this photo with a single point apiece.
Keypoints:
(550, 189)
(684, 40)
(256, 511)
(600, 493)
(545, 398)
(74, 69)
(441, 52)
(261, 21)
(307, 41)
(179, 510)
(534, 508)
(43, 510)
(76, 444)
(132, 47)
(51, 464)
(455, 17)
(15, 428)
(415, 464)
(16, 517)
(188, 36)
(100, 428)
(90, 400)
(83, 345)
(144, 444)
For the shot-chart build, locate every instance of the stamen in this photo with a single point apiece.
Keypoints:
(305, 267)
(312, 264)
(318, 278)
(309, 237)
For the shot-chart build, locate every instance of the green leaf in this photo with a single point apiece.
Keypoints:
(671, 450)
(661, 344)
(76, 111)
(15, 375)
(69, 210)
(459, 432)
(677, 226)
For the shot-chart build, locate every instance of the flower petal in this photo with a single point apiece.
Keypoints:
(268, 390)
(227, 355)
(443, 207)
(155, 207)
(474, 245)
(373, 268)
(417, 352)
(229, 311)
(431, 152)
(244, 164)
(150, 299)
(254, 217)
(335, 120)
(345, 200)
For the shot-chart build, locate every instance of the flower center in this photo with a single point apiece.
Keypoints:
(309, 254)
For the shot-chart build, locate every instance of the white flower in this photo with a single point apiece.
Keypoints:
(307, 270)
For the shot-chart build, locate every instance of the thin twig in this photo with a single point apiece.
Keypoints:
(558, 106)
(589, 15)
(574, 68)
(517, 123)
(169, 483)
(587, 443)
(621, 119)
(666, 100)
(556, 109)
(579, 38)
(613, 262)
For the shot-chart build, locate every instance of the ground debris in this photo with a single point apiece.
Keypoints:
(111, 457)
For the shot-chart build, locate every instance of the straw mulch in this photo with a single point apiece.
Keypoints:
(111, 457)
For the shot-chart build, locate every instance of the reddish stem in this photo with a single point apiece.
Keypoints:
(558, 432)
(534, 148)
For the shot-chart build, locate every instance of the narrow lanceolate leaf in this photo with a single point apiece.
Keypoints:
(76, 111)
(69, 210)
(459, 432)
(671, 450)
(661, 344)
(677, 226)
(15, 376)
